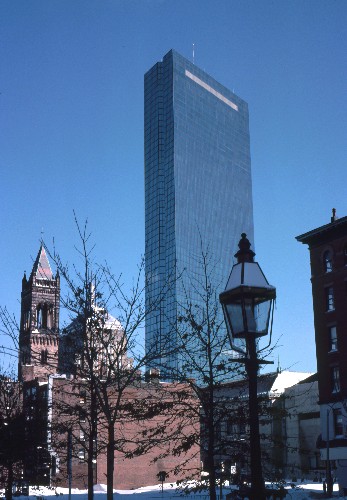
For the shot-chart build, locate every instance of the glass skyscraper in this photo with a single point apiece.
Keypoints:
(198, 191)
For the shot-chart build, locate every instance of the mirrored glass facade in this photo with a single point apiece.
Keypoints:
(198, 191)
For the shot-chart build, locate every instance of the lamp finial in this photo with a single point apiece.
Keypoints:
(245, 254)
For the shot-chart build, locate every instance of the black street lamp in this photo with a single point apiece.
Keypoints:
(247, 303)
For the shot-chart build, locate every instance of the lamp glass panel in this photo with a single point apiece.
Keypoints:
(234, 313)
(262, 314)
(251, 320)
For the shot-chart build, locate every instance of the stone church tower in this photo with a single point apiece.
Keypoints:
(39, 324)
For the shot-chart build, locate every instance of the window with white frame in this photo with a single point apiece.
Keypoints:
(338, 423)
(329, 298)
(83, 396)
(335, 379)
(328, 261)
(332, 338)
(81, 454)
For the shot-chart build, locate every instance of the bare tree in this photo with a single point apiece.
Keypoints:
(9, 329)
(209, 364)
(102, 359)
(13, 436)
(205, 364)
(104, 352)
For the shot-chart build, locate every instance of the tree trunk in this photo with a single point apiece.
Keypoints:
(211, 477)
(211, 447)
(92, 473)
(90, 467)
(9, 483)
(110, 460)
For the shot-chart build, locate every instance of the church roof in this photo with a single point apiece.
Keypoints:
(41, 269)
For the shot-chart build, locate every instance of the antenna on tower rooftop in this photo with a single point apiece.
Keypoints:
(334, 217)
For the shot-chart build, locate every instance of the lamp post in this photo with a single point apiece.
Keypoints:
(329, 479)
(247, 304)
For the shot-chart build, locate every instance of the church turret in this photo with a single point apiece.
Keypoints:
(39, 325)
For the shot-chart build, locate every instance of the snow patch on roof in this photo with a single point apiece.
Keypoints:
(287, 379)
(112, 323)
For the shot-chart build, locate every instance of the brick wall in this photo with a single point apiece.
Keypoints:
(158, 435)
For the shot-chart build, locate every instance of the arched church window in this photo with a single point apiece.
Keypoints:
(328, 261)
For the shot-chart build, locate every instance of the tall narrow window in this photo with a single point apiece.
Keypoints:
(242, 428)
(328, 261)
(338, 423)
(26, 320)
(329, 299)
(39, 317)
(44, 316)
(230, 426)
(83, 396)
(333, 338)
(44, 357)
(335, 379)
(50, 317)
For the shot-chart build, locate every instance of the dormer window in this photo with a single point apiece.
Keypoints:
(328, 261)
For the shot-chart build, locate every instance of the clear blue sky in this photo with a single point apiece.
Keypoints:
(71, 129)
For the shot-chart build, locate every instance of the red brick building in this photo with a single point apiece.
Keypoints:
(328, 255)
(153, 418)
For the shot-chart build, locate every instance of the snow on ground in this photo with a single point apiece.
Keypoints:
(303, 491)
